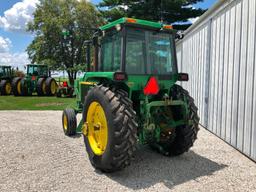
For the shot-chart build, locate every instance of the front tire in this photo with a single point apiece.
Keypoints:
(109, 113)
(69, 122)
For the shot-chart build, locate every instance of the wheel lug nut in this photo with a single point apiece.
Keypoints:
(96, 127)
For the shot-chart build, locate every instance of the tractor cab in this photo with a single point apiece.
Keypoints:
(138, 47)
(5, 72)
(135, 47)
(37, 70)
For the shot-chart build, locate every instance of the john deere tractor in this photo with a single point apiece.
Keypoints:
(129, 96)
(36, 80)
(6, 75)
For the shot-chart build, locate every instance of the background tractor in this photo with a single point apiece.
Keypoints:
(6, 76)
(36, 80)
(131, 97)
(64, 90)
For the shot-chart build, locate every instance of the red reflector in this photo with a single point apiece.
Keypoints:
(33, 78)
(152, 87)
(65, 84)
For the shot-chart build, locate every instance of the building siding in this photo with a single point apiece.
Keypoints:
(219, 52)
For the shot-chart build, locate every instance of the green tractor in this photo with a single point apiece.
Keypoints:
(131, 97)
(36, 80)
(6, 75)
(65, 90)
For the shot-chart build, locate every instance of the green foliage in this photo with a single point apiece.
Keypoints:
(60, 28)
(169, 11)
(18, 73)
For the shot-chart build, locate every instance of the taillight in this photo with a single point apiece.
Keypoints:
(120, 76)
(183, 77)
(65, 84)
(152, 87)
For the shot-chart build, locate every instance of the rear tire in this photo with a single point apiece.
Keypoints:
(5, 87)
(40, 87)
(121, 128)
(50, 86)
(185, 135)
(24, 88)
(16, 86)
(69, 122)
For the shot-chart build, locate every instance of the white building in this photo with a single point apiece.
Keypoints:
(219, 53)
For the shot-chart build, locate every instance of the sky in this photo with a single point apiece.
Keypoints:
(14, 14)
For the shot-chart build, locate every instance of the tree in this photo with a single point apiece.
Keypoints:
(61, 28)
(18, 73)
(168, 11)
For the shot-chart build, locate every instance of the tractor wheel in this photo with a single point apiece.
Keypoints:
(50, 86)
(69, 122)
(110, 129)
(5, 87)
(24, 88)
(16, 86)
(185, 135)
(40, 87)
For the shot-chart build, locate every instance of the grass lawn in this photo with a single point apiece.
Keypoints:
(35, 103)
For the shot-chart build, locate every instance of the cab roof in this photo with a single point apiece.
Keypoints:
(136, 22)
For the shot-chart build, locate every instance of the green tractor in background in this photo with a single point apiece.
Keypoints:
(131, 97)
(36, 80)
(6, 76)
(65, 90)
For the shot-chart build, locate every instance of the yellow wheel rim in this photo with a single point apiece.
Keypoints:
(19, 87)
(8, 88)
(53, 87)
(44, 87)
(97, 128)
(65, 122)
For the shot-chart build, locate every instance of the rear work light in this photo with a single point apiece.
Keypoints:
(120, 76)
(152, 87)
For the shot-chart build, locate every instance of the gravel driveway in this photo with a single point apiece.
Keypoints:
(36, 156)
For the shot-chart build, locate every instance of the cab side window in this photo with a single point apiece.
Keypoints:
(111, 53)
